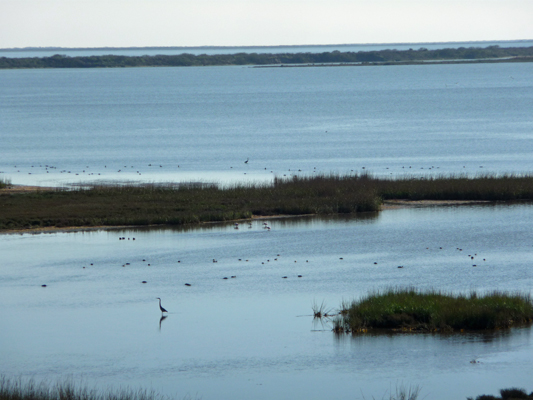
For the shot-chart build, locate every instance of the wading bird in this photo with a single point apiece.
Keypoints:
(160, 307)
(248, 159)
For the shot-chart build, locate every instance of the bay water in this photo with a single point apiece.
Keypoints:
(61, 127)
(253, 336)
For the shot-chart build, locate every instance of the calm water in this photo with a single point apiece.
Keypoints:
(252, 336)
(12, 53)
(153, 124)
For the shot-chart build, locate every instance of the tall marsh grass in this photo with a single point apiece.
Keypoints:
(459, 187)
(4, 183)
(184, 204)
(430, 311)
(19, 389)
(177, 204)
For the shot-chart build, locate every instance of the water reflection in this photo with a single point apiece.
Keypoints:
(163, 317)
(500, 336)
(305, 221)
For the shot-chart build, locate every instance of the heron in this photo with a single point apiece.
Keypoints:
(160, 307)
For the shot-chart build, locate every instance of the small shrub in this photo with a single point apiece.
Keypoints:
(513, 394)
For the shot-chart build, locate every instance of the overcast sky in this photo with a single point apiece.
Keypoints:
(93, 23)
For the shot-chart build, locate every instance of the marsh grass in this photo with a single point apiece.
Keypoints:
(4, 183)
(19, 389)
(321, 310)
(489, 187)
(170, 205)
(402, 393)
(506, 394)
(178, 204)
(434, 311)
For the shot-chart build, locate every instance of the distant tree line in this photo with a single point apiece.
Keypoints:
(334, 57)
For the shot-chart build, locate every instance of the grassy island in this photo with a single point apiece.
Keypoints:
(379, 57)
(411, 310)
(180, 204)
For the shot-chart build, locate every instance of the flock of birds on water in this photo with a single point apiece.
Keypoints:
(473, 257)
(113, 171)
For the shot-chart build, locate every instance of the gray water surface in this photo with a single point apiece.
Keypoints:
(253, 336)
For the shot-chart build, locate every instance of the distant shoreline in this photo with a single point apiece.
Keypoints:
(422, 56)
(388, 63)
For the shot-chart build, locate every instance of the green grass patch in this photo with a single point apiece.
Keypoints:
(178, 204)
(434, 311)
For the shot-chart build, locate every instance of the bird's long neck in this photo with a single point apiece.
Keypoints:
(159, 303)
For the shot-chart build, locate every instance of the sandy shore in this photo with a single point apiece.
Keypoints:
(393, 204)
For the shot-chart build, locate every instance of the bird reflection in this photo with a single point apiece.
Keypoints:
(163, 317)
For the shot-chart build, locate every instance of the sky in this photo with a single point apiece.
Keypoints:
(137, 23)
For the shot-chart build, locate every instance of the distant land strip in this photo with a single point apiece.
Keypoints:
(334, 58)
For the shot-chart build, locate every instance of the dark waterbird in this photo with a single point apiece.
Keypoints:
(161, 307)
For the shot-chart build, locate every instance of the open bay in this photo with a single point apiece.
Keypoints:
(60, 127)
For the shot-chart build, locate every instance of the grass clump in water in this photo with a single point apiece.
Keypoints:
(506, 394)
(434, 311)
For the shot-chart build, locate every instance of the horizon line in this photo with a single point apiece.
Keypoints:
(45, 48)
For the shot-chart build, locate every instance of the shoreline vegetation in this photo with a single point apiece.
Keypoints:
(334, 58)
(109, 206)
(412, 310)
(21, 389)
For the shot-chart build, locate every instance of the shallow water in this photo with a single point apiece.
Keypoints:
(253, 336)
